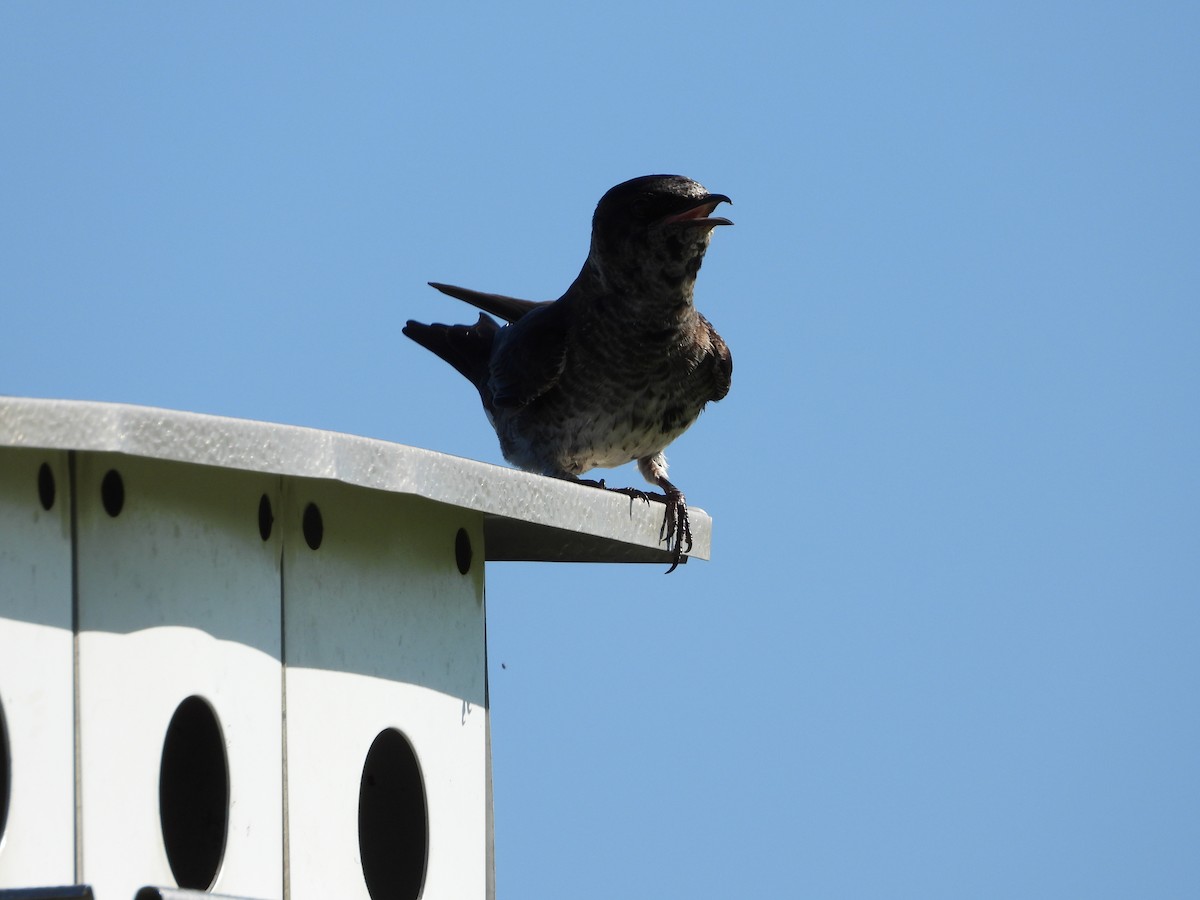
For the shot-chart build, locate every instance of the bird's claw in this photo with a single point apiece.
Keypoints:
(676, 529)
(677, 525)
(634, 494)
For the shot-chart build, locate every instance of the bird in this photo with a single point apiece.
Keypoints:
(616, 368)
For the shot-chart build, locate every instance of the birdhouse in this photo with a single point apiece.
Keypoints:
(251, 659)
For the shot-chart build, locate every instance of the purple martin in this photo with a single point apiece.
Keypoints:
(618, 366)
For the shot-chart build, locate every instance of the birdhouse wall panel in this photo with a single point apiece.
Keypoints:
(37, 715)
(384, 645)
(179, 597)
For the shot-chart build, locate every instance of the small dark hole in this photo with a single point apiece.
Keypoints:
(266, 518)
(393, 821)
(46, 486)
(462, 551)
(193, 794)
(314, 528)
(112, 493)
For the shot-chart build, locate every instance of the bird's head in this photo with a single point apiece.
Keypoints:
(649, 234)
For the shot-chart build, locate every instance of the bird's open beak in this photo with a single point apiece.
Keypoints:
(700, 214)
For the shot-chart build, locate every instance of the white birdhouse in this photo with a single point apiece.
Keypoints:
(250, 659)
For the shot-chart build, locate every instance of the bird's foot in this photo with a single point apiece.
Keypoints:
(676, 529)
(676, 526)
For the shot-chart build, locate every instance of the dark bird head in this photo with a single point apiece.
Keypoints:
(649, 234)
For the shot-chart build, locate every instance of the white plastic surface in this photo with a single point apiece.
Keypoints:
(304, 655)
(37, 846)
(383, 631)
(527, 516)
(178, 596)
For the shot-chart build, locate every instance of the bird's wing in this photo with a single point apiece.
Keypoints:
(529, 357)
(722, 363)
(510, 309)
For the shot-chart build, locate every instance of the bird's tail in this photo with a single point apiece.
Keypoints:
(466, 347)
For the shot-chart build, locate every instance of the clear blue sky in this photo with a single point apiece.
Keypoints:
(949, 642)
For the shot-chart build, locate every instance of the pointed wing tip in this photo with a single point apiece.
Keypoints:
(507, 308)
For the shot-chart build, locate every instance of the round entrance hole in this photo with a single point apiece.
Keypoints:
(193, 794)
(393, 822)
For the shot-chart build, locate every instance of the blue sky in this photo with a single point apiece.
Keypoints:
(947, 644)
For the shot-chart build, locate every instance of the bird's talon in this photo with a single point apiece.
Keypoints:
(633, 494)
(676, 529)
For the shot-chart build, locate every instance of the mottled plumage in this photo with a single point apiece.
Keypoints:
(621, 364)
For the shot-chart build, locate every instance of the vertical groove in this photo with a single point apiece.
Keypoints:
(283, 518)
(73, 508)
(488, 797)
